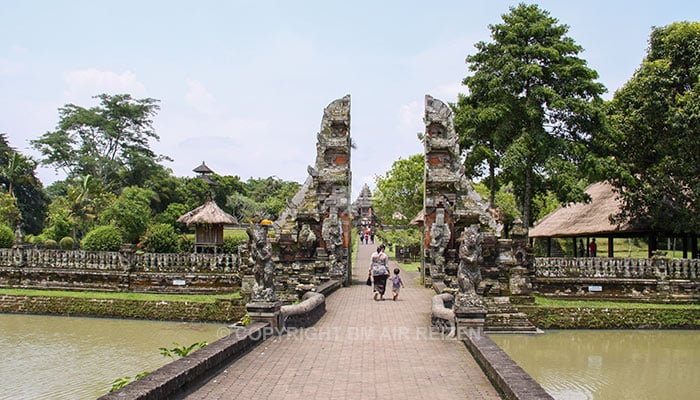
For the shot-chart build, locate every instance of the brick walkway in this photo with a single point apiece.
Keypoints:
(360, 349)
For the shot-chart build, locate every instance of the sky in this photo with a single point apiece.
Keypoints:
(242, 84)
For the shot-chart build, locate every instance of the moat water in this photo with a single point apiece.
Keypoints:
(610, 364)
(52, 357)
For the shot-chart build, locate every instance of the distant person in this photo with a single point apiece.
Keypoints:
(581, 248)
(396, 283)
(592, 248)
(379, 271)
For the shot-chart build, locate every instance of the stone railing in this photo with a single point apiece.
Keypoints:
(618, 268)
(306, 313)
(442, 317)
(116, 261)
(64, 259)
(184, 262)
(119, 271)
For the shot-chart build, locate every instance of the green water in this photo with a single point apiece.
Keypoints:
(51, 357)
(610, 364)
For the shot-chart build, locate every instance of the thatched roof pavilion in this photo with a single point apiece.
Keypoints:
(592, 219)
(586, 219)
(209, 222)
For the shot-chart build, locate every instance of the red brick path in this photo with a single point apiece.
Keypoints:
(360, 349)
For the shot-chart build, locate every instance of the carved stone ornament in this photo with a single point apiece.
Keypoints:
(469, 273)
(263, 266)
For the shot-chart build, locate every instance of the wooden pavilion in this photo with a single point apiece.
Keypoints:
(209, 222)
(592, 219)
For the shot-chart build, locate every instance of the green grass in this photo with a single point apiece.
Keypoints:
(623, 248)
(198, 298)
(410, 267)
(557, 303)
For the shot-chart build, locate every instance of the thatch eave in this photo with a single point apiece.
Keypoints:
(587, 219)
(208, 213)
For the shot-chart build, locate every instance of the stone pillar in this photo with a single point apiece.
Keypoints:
(470, 320)
(268, 312)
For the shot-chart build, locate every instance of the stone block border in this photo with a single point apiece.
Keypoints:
(306, 313)
(504, 373)
(181, 375)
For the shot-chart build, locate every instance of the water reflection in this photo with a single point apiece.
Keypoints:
(610, 364)
(50, 357)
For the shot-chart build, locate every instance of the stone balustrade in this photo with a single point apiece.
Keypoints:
(116, 261)
(64, 259)
(185, 262)
(618, 268)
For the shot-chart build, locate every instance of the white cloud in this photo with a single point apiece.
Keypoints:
(85, 83)
(8, 67)
(411, 116)
(200, 98)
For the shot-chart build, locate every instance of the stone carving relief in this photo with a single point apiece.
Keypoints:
(260, 251)
(306, 239)
(332, 233)
(439, 240)
(469, 273)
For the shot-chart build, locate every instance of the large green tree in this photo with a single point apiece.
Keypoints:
(130, 212)
(400, 190)
(110, 141)
(532, 108)
(656, 140)
(18, 176)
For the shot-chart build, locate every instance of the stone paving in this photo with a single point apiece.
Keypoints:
(360, 349)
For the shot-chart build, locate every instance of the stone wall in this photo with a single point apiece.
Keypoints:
(218, 311)
(612, 318)
(654, 279)
(117, 271)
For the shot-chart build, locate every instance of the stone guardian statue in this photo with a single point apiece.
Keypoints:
(439, 240)
(263, 266)
(469, 272)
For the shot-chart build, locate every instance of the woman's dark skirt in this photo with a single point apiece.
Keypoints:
(380, 283)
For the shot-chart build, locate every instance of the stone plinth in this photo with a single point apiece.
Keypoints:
(470, 320)
(266, 312)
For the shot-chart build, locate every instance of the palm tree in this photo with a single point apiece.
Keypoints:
(15, 171)
(79, 199)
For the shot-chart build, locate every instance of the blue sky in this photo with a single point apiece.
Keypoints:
(243, 84)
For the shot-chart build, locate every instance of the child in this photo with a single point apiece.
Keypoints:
(396, 283)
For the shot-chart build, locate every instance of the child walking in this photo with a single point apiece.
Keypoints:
(396, 283)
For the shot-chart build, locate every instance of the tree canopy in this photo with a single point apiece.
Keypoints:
(656, 140)
(400, 189)
(109, 142)
(532, 108)
(17, 175)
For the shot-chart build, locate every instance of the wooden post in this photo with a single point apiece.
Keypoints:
(611, 244)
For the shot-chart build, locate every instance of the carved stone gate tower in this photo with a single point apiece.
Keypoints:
(451, 204)
(314, 231)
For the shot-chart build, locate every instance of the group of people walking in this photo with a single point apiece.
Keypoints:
(379, 274)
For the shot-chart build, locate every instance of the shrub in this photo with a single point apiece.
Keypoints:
(102, 238)
(66, 243)
(186, 243)
(161, 238)
(233, 240)
(50, 244)
(7, 237)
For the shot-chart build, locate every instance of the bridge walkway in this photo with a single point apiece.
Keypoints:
(360, 349)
